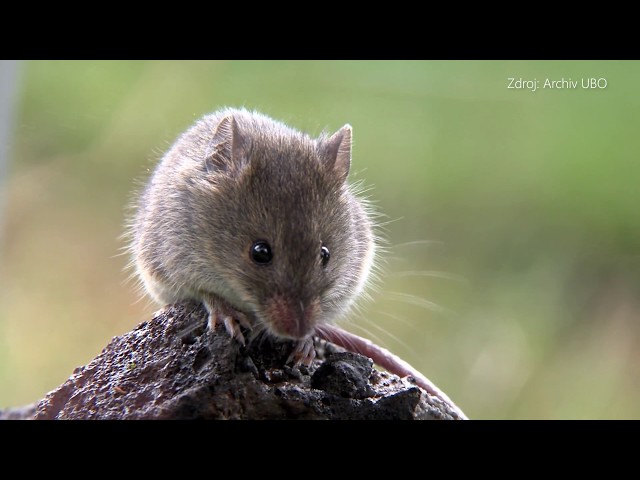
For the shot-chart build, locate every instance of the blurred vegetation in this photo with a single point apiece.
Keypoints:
(525, 202)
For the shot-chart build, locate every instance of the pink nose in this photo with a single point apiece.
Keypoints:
(290, 318)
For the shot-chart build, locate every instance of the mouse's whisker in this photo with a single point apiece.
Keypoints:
(369, 333)
(400, 319)
(389, 334)
(421, 243)
(429, 273)
(417, 301)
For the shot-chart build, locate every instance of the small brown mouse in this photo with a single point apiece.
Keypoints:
(257, 221)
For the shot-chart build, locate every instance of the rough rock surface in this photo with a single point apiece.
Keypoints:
(174, 367)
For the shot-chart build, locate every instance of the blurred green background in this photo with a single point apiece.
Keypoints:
(512, 277)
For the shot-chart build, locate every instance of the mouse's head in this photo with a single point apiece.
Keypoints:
(292, 245)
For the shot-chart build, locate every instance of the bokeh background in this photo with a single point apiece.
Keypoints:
(512, 276)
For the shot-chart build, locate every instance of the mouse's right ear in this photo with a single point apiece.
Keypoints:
(336, 151)
(226, 148)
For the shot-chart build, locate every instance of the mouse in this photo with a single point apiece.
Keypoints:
(258, 222)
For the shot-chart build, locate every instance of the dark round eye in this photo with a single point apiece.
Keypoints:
(324, 255)
(261, 252)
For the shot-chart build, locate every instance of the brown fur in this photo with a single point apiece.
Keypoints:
(236, 177)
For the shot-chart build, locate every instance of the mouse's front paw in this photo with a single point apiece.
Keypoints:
(304, 353)
(220, 311)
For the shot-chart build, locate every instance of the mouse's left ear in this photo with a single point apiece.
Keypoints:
(336, 151)
(226, 147)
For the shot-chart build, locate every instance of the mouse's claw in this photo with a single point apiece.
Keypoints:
(229, 316)
(233, 329)
(304, 353)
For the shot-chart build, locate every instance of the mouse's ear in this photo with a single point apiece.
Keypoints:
(226, 148)
(336, 151)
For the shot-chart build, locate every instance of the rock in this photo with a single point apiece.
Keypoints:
(174, 367)
(19, 413)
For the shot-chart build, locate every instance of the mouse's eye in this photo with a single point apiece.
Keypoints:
(261, 252)
(324, 255)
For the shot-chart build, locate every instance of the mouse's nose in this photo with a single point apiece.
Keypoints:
(291, 318)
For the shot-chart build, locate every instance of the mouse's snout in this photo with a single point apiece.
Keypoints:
(291, 318)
